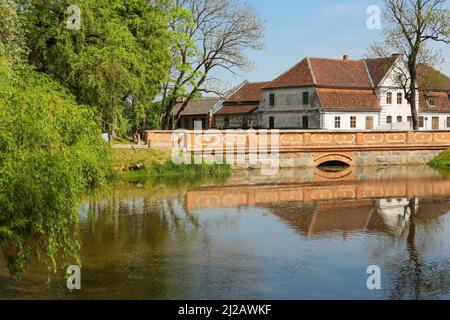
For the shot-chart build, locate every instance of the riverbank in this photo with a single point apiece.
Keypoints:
(156, 166)
(441, 163)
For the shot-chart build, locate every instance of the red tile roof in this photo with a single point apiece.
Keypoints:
(379, 67)
(346, 99)
(325, 73)
(442, 102)
(298, 76)
(250, 92)
(430, 79)
(236, 109)
(340, 73)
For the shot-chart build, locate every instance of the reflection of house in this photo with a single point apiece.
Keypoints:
(200, 110)
(387, 216)
(239, 110)
(395, 213)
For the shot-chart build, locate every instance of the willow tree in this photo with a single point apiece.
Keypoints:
(215, 34)
(410, 26)
(51, 152)
(119, 52)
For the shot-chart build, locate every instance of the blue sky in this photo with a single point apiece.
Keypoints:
(314, 28)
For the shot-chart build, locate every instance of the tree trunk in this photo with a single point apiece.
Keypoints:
(413, 93)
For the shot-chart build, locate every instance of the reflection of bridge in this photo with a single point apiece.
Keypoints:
(313, 148)
(235, 196)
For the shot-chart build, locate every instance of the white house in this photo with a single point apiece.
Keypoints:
(349, 94)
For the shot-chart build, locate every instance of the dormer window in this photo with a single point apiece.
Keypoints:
(431, 101)
(389, 98)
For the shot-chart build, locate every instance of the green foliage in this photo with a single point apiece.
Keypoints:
(12, 38)
(178, 176)
(51, 152)
(118, 58)
(442, 163)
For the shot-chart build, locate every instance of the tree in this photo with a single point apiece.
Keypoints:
(213, 34)
(12, 37)
(121, 52)
(410, 26)
(51, 152)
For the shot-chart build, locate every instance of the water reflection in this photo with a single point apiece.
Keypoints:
(303, 234)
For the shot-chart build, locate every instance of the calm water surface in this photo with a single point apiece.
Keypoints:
(302, 234)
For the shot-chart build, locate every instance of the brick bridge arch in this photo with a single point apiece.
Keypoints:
(344, 158)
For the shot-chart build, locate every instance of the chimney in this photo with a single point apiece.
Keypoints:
(346, 57)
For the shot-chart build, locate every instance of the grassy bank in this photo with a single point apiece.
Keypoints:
(156, 167)
(441, 162)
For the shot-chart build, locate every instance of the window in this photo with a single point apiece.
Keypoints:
(448, 122)
(337, 122)
(369, 123)
(389, 98)
(389, 120)
(353, 122)
(399, 98)
(421, 122)
(399, 119)
(272, 100)
(305, 98)
(227, 122)
(410, 119)
(432, 101)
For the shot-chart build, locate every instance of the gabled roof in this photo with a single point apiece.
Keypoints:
(298, 76)
(236, 109)
(332, 73)
(347, 99)
(250, 92)
(201, 106)
(442, 102)
(340, 73)
(430, 79)
(379, 67)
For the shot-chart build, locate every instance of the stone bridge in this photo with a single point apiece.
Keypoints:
(314, 148)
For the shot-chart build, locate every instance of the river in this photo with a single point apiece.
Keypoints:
(300, 234)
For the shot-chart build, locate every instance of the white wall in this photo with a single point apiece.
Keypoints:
(328, 119)
(428, 124)
(395, 110)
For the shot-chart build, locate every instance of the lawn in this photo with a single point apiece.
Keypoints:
(123, 159)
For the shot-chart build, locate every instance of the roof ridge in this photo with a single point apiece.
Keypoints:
(311, 71)
(368, 73)
(337, 59)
